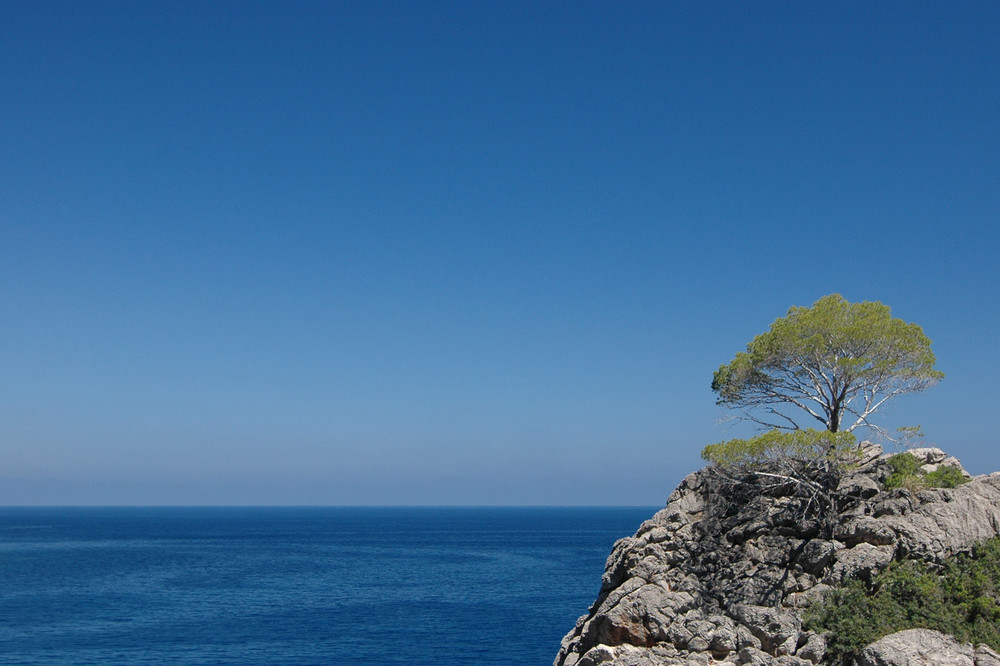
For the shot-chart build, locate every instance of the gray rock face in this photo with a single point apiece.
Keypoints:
(928, 455)
(986, 657)
(722, 575)
(945, 521)
(917, 647)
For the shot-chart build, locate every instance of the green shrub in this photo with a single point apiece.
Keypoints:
(945, 477)
(907, 473)
(809, 446)
(961, 599)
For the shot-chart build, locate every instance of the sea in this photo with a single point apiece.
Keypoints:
(309, 585)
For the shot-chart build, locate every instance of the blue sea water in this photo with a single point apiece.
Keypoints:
(416, 586)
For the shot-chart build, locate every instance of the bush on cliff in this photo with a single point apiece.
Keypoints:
(807, 450)
(907, 473)
(962, 599)
(805, 463)
(814, 459)
(945, 477)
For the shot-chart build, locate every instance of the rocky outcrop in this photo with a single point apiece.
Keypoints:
(923, 647)
(723, 573)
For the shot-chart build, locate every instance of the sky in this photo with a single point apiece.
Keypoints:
(468, 253)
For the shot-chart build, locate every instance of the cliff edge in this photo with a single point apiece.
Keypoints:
(723, 574)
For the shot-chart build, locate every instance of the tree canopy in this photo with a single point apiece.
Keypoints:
(837, 362)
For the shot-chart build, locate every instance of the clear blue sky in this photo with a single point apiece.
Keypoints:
(469, 252)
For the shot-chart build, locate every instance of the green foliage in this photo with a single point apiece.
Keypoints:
(778, 445)
(907, 473)
(834, 361)
(962, 599)
(945, 477)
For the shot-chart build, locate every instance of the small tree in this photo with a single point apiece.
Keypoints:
(833, 361)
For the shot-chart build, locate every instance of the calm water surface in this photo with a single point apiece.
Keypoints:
(415, 586)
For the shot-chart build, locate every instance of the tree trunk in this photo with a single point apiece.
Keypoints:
(835, 415)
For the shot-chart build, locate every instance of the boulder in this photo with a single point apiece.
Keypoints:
(917, 647)
(777, 630)
(986, 657)
(928, 455)
(863, 561)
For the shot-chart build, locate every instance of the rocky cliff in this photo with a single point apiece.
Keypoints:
(723, 574)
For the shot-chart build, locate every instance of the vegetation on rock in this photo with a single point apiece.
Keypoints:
(836, 361)
(811, 447)
(816, 458)
(962, 598)
(907, 473)
(808, 463)
(832, 361)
